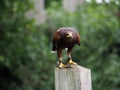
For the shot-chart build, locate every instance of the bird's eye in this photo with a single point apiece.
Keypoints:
(66, 34)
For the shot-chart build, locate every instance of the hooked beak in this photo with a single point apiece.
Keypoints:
(69, 35)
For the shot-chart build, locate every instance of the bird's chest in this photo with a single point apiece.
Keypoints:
(66, 42)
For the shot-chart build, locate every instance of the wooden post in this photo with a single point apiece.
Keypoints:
(75, 78)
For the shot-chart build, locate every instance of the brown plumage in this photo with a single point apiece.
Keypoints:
(65, 37)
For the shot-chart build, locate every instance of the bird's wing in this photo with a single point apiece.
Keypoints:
(55, 40)
(78, 39)
(56, 37)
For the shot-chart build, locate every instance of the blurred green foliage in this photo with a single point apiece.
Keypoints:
(25, 59)
(49, 2)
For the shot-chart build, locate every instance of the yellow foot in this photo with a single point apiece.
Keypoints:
(61, 65)
(71, 62)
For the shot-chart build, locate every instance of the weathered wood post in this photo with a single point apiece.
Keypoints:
(75, 78)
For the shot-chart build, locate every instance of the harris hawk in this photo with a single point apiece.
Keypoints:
(65, 37)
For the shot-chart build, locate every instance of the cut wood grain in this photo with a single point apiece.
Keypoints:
(75, 78)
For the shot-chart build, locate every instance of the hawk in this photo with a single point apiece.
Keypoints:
(65, 37)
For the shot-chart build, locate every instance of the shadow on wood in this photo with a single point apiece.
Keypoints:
(75, 78)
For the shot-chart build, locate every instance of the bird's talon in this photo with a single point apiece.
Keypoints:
(71, 62)
(61, 65)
